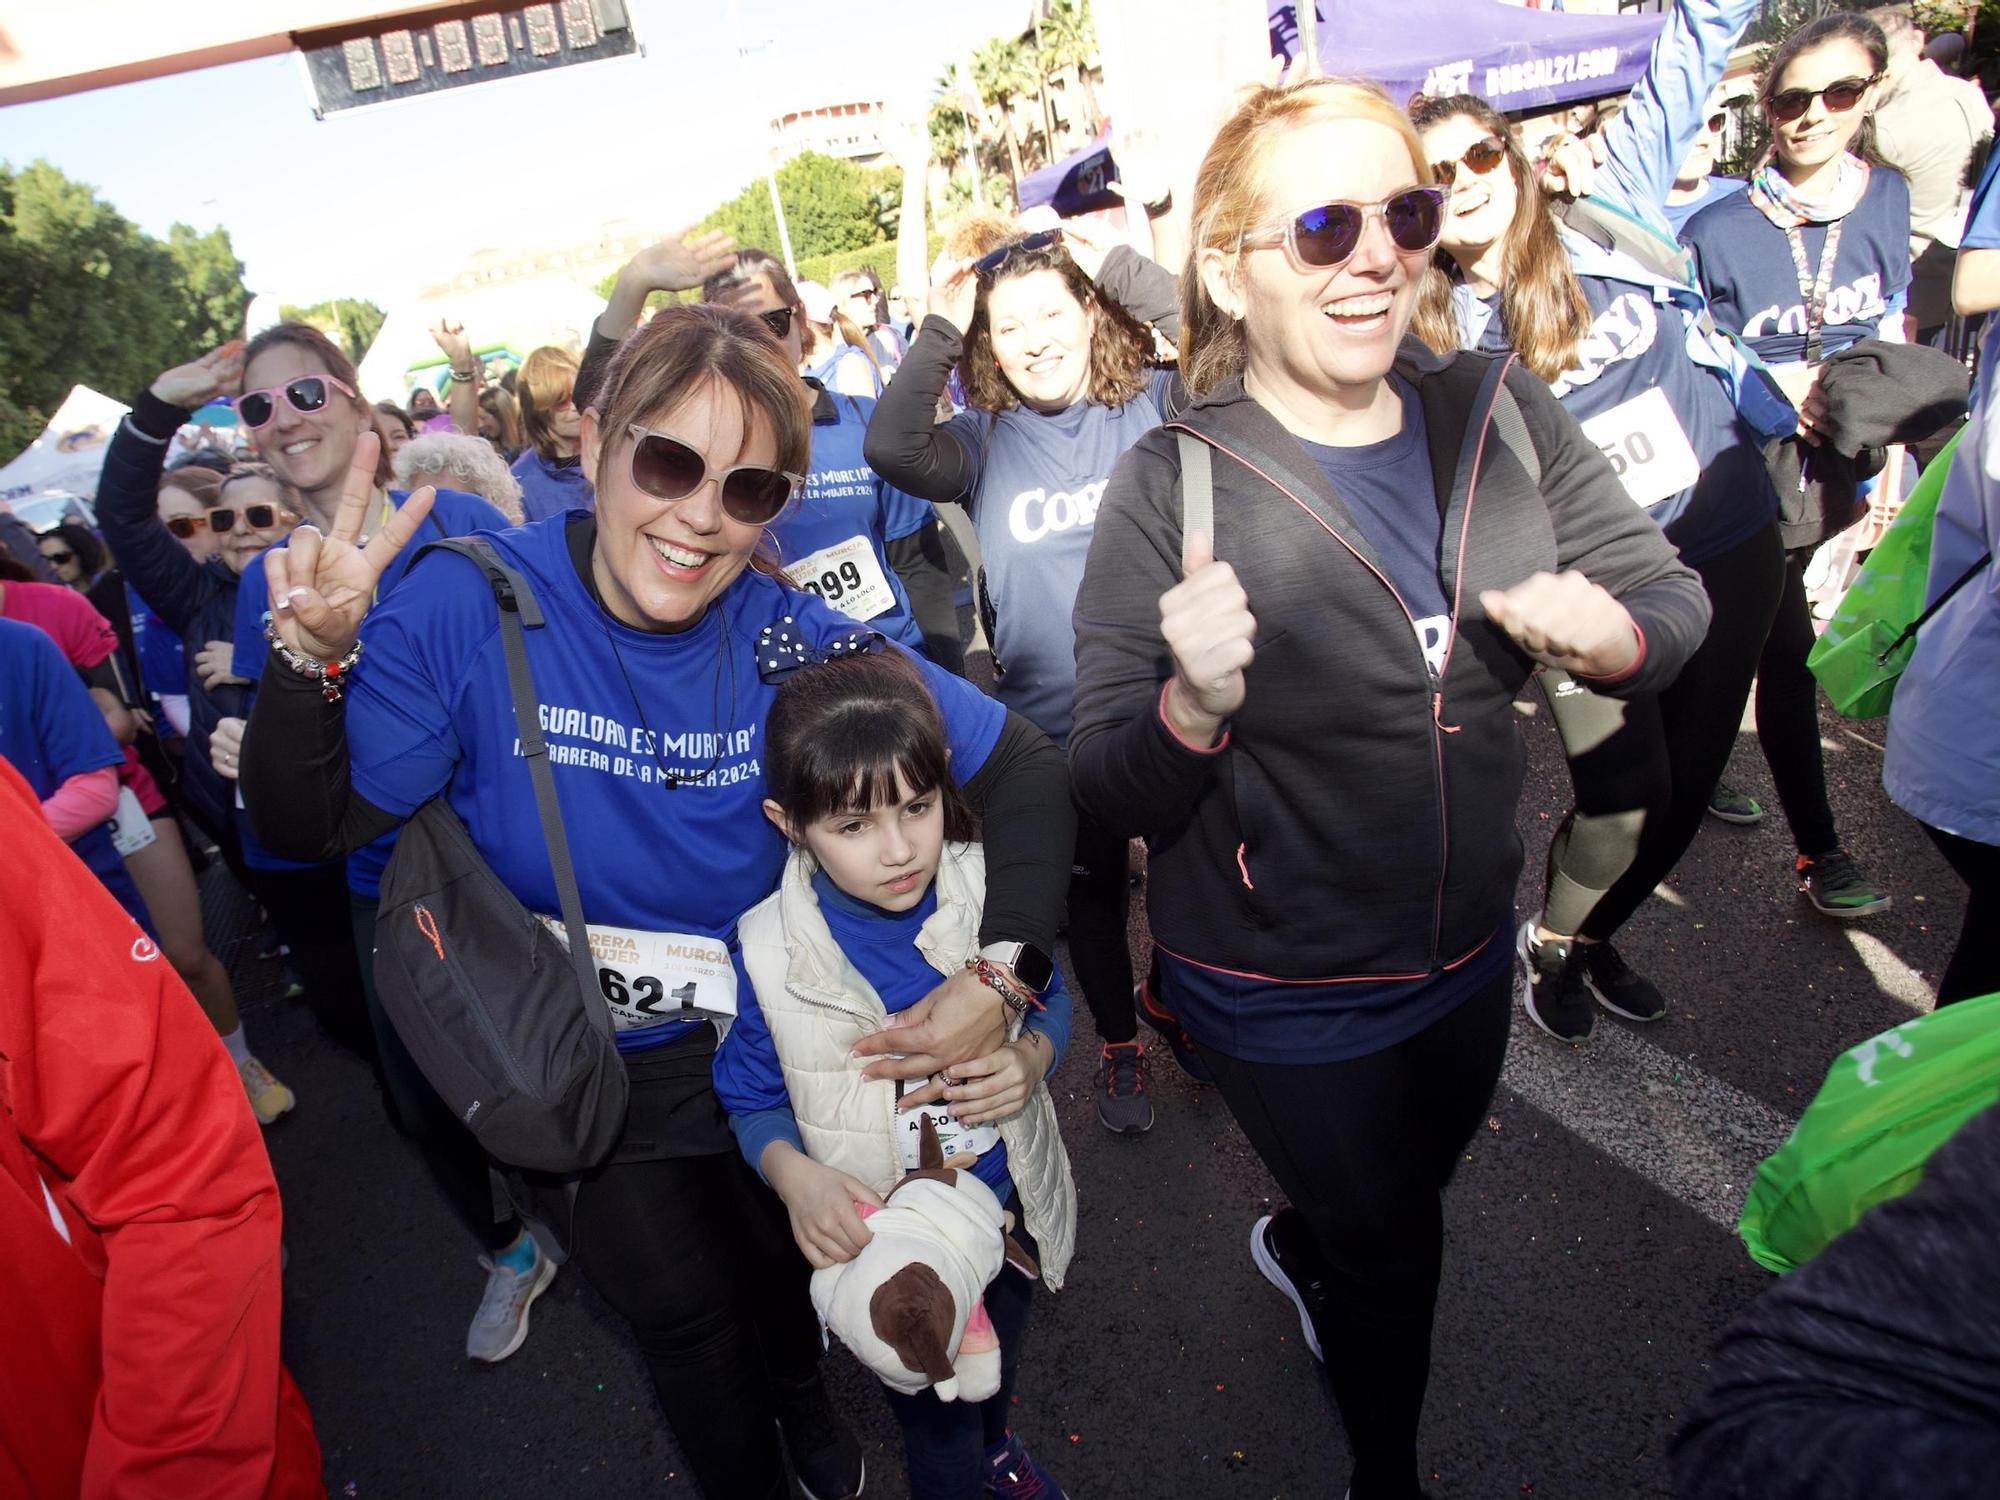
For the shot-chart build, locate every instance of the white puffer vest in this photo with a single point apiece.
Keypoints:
(818, 1006)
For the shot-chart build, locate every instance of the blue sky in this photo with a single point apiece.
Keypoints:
(379, 202)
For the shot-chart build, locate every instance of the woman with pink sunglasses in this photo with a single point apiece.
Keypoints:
(302, 407)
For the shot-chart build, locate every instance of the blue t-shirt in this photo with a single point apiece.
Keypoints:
(51, 730)
(1392, 494)
(548, 488)
(882, 946)
(453, 513)
(844, 499)
(1712, 189)
(1744, 264)
(162, 661)
(1037, 482)
(430, 711)
(1982, 232)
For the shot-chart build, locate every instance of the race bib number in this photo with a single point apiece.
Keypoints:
(954, 1139)
(131, 829)
(1648, 451)
(649, 978)
(847, 576)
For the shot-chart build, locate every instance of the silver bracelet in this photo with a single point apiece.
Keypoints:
(328, 674)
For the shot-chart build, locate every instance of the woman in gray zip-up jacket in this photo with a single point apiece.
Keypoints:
(1307, 710)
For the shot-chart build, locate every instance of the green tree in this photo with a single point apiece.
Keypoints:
(830, 205)
(213, 278)
(354, 321)
(1069, 40)
(1002, 72)
(85, 297)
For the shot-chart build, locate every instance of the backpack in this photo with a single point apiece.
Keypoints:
(511, 1030)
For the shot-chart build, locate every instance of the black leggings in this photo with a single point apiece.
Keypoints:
(1788, 716)
(457, 1161)
(697, 1256)
(1100, 904)
(1363, 1149)
(309, 910)
(1620, 783)
(1975, 965)
(1697, 717)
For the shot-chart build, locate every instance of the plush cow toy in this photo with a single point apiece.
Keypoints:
(910, 1305)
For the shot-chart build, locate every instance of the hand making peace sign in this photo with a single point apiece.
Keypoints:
(322, 586)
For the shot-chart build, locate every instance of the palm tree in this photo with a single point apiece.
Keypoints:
(954, 130)
(1069, 38)
(1003, 73)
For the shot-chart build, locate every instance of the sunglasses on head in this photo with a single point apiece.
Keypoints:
(778, 320)
(222, 520)
(1788, 104)
(306, 394)
(668, 469)
(993, 260)
(1328, 234)
(1480, 157)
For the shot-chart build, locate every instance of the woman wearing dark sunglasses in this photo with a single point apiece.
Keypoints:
(655, 690)
(866, 547)
(1305, 704)
(1047, 333)
(1601, 308)
(1812, 259)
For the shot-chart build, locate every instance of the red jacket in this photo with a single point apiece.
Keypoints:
(140, 1337)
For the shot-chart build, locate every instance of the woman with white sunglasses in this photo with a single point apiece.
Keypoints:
(1304, 701)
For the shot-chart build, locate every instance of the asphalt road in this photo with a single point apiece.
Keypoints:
(1590, 1261)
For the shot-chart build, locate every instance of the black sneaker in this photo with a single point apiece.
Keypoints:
(1178, 1042)
(1557, 1000)
(1122, 1105)
(826, 1459)
(1284, 1252)
(1835, 884)
(1732, 806)
(1617, 988)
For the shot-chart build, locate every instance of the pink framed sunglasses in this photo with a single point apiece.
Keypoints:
(306, 394)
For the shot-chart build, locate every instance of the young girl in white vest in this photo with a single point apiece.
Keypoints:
(880, 902)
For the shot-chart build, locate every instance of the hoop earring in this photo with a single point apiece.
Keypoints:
(777, 549)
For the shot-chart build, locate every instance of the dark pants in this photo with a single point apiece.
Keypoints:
(309, 911)
(1620, 783)
(1100, 904)
(945, 1442)
(1975, 965)
(1697, 717)
(696, 1255)
(1363, 1149)
(1788, 716)
(457, 1162)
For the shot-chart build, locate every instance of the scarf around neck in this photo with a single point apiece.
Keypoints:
(1787, 208)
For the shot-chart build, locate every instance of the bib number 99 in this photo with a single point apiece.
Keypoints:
(835, 584)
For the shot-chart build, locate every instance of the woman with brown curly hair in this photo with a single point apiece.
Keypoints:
(1046, 332)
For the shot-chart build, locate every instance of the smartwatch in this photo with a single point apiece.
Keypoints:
(1030, 965)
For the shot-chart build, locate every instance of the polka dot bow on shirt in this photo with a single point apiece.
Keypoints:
(782, 648)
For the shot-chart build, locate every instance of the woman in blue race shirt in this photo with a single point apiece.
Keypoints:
(1814, 257)
(1622, 343)
(1045, 332)
(652, 685)
(866, 547)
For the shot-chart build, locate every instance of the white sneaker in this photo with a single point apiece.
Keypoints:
(501, 1324)
(268, 1097)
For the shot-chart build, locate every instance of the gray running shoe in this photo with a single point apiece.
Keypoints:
(501, 1324)
(1837, 886)
(1122, 1105)
(1732, 806)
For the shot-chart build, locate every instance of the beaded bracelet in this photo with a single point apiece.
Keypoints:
(328, 674)
(1018, 999)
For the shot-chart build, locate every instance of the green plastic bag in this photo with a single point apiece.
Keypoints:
(1854, 660)
(1885, 1107)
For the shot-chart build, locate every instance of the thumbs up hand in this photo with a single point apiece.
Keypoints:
(1206, 622)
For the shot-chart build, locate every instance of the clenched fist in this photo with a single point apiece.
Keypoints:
(1206, 622)
(1564, 620)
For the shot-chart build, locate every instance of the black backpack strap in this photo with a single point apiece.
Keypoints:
(519, 608)
(1197, 492)
(1910, 630)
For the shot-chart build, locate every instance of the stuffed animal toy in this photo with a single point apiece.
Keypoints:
(911, 1304)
